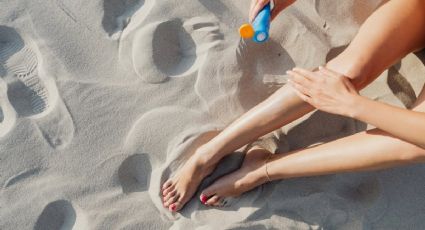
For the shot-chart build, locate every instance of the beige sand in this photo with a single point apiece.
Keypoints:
(101, 101)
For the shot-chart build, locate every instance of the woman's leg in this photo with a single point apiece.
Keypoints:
(393, 31)
(369, 150)
(396, 29)
(390, 33)
(364, 151)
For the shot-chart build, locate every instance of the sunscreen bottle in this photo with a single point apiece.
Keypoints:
(259, 29)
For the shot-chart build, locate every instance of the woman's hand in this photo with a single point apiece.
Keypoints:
(325, 89)
(257, 5)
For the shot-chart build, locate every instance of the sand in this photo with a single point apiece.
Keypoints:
(101, 101)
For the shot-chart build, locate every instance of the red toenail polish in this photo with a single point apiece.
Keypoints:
(204, 198)
(173, 207)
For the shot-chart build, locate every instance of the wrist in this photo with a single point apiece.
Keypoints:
(354, 106)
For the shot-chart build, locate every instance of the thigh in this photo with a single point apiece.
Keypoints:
(394, 30)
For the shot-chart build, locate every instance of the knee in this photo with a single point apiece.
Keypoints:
(360, 73)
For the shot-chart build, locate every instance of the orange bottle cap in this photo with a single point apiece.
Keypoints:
(246, 31)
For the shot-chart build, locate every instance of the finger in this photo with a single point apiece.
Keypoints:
(302, 96)
(329, 72)
(306, 73)
(300, 88)
(299, 79)
(251, 8)
(257, 8)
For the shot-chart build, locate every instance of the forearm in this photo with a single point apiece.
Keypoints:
(364, 151)
(278, 110)
(405, 124)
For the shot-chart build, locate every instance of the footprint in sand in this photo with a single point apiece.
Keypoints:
(175, 48)
(183, 138)
(31, 92)
(134, 173)
(7, 113)
(28, 173)
(117, 14)
(60, 215)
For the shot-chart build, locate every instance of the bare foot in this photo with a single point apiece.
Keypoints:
(179, 189)
(251, 174)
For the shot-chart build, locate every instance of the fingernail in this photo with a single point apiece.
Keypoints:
(204, 198)
(320, 67)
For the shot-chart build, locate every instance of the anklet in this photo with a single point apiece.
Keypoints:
(267, 171)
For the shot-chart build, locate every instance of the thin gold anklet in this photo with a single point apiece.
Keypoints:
(267, 171)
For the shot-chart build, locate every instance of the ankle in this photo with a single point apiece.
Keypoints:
(205, 155)
(262, 176)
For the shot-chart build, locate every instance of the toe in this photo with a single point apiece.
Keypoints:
(171, 200)
(167, 184)
(173, 207)
(214, 201)
(167, 190)
(203, 198)
(176, 206)
(206, 194)
(169, 195)
(181, 201)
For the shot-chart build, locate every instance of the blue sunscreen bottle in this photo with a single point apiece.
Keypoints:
(259, 29)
